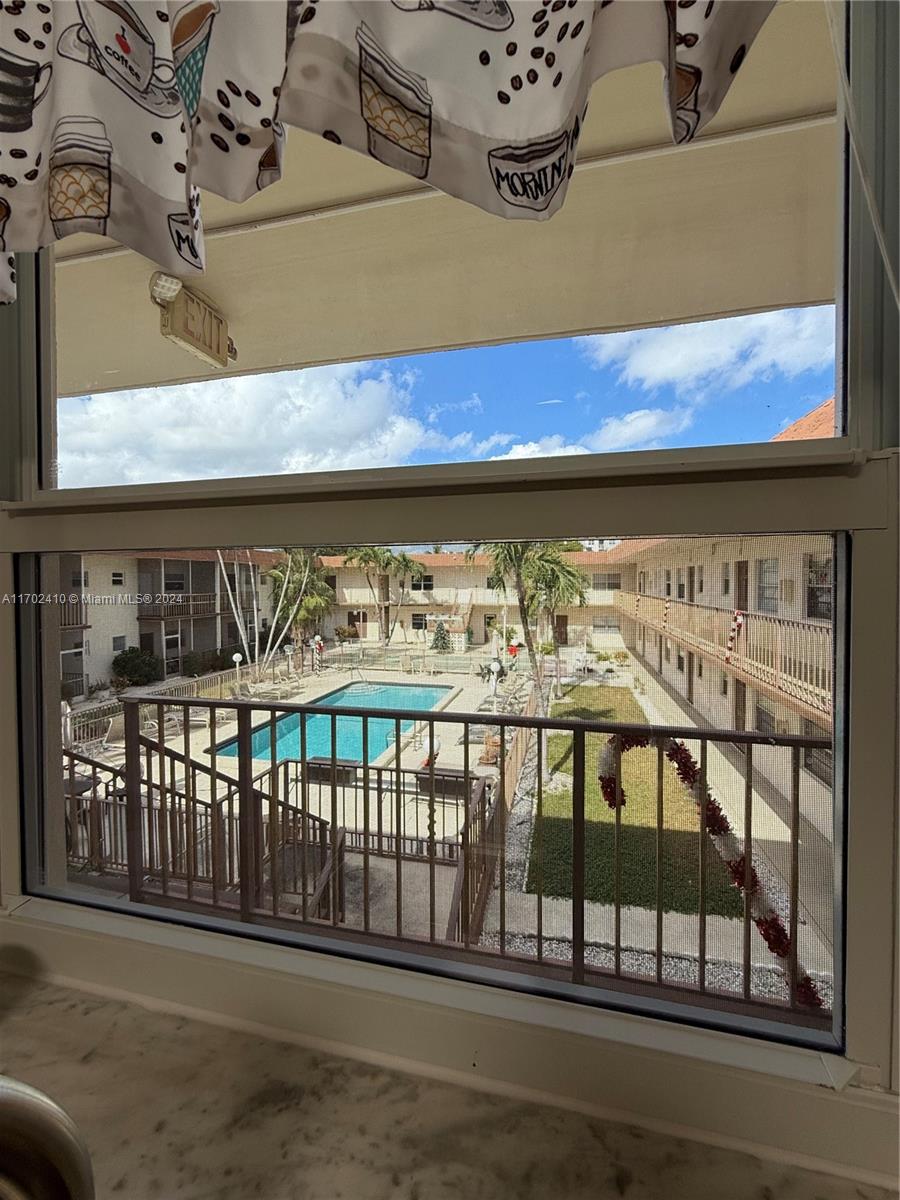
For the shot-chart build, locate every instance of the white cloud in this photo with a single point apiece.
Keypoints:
(323, 418)
(640, 429)
(546, 447)
(725, 354)
(471, 405)
(543, 403)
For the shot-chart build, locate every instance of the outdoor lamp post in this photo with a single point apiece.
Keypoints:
(237, 659)
(495, 667)
(288, 649)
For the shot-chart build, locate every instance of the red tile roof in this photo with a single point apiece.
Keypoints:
(816, 424)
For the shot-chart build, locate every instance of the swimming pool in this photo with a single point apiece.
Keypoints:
(420, 697)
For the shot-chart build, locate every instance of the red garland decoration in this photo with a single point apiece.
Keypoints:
(736, 869)
(771, 928)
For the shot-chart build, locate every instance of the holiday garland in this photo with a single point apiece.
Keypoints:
(765, 916)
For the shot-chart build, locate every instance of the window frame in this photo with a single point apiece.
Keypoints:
(849, 483)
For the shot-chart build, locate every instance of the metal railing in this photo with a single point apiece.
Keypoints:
(72, 614)
(647, 859)
(795, 658)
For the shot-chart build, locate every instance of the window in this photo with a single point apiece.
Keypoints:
(765, 717)
(607, 581)
(605, 623)
(660, 498)
(119, 643)
(699, 668)
(679, 660)
(79, 580)
(419, 621)
(118, 579)
(331, 582)
(767, 585)
(680, 580)
(818, 761)
(818, 587)
(494, 583)
(174, 581)
(700, 579)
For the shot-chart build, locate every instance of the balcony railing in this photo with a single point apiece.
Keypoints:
(72, 614)
(795, 658)
(646, 863)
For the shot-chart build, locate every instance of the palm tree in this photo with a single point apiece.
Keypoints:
(373, 561)
(537, 572)
(403, 568)
(305, 597)
(556, 584)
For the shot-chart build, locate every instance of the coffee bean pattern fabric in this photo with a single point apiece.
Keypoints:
(116, 114)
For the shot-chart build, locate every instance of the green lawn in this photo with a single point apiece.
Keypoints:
(551, 847)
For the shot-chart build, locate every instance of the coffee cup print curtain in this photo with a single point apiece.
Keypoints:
(115, 114)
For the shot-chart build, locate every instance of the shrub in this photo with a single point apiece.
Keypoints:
(345, 633)
(546, 648)
(137, 666)
(441, 640)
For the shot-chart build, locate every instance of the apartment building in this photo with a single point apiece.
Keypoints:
(172, 606)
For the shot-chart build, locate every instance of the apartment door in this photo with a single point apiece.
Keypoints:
(742, 585)
(358, 619)
(689, 667)
(691, 583)
(562, 629)
(740, 705)
(146, 642)
(490, 625)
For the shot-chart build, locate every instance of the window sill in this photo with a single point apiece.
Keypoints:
(108, 938)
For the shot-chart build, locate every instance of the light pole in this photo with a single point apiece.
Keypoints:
(237, 659)
(495, 668)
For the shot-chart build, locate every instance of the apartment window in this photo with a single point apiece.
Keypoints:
(174, 581)
(723, 684)
(80, 580)
(494, 583)
(419, 621)
(331, 582)
(699, 668)
(119, 643)
(765, 721)
(819, 762)
(767, 585)
(377, 415)
(118, 579)
(425, 583)
(605, 624)
(607, 581)
(679, 660)
(819, 587)
(726, 578)
(700, 579)
(680, 582)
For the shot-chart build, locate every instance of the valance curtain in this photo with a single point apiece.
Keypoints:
(114, 114)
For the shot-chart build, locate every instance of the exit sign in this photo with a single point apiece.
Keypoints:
(193, 323)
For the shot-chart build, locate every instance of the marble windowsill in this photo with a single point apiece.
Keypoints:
(172, 1107)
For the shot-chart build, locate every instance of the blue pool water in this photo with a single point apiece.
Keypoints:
(420, 697)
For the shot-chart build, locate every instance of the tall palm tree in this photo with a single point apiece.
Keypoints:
(373, 561)
(403, 568)
(537, 572)
(303, 596)
(555, 584)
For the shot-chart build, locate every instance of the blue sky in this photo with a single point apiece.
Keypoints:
(733, 380)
